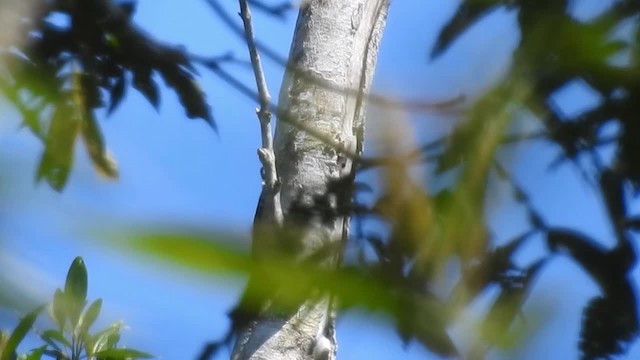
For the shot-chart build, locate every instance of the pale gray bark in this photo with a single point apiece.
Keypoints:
(335, 43)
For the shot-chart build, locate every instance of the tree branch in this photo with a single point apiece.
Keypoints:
(265, 153)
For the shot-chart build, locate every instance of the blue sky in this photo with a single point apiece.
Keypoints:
(176, 171)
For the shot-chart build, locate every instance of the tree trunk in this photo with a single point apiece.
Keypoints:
(331, 64)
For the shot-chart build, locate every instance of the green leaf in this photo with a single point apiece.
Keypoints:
(123, 353)
(104, 339)
(59, 308)
(75, 289)
(87, 95)
(89, 317)
(36, 354)
(112, 40)
(52, 335)
(57, 158)
(94, 142)
(76, 283)
(4, 337)
(19, 333)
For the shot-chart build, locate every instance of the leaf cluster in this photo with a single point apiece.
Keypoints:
(71, 339)
(76, 57)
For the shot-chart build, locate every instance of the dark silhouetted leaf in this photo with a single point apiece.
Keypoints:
(117, 92)
(128, 7)
(536, 220)
(190, 94)
(611, 186)
(211, 348)
(608, 327)
(468, 13)
(629, 151)
(142, 80)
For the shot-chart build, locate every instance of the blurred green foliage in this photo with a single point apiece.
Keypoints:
(602, 54)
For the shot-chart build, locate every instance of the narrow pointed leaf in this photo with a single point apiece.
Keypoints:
(190, 94)
(57, 158)
(36, 354)
(143, 81)
(91, 315)
(76, 283)
(75, 288)
(117, 92)
(104, 339)
(19, 333)
(59, 308)
(93, 140)
(468, 13)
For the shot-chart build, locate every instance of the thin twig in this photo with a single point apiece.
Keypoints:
(265, 153)
(378, 99)
(209, 61)
(278, 11)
